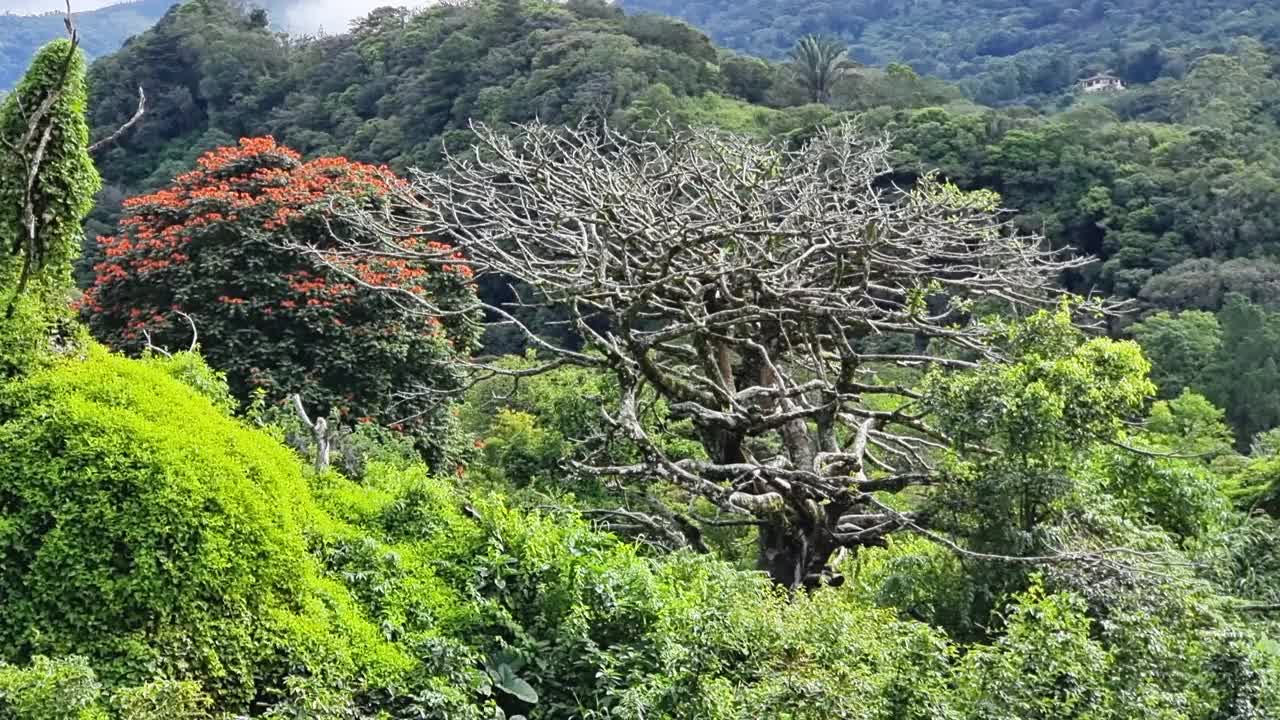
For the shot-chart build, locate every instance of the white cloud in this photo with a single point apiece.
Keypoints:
(26, 7)
(301, 16)
(333, 16)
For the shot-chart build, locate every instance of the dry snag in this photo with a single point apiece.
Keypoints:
(766, 293)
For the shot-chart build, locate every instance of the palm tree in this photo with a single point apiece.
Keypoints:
(817, 61)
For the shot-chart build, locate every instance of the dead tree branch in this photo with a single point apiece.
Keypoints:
(120, 131)
(319, 433)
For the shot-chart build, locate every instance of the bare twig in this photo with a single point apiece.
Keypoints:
(151, 347)
(1259, 607)
(137, 116)
(319, 433)
(195, 334)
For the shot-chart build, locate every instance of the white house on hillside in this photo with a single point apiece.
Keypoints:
(1102, 82)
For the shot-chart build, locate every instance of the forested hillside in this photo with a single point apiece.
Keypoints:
(104, 30)
(531, 360)
(1173, 187)
(400, 87)
(1000, 50)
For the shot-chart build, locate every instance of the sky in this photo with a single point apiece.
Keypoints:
(39, 6)
(331, 15)
(302, 16)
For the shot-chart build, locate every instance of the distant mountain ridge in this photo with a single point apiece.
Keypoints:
(102, 31)
(1001, 51)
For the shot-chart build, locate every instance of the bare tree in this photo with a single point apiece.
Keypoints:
(769, 295)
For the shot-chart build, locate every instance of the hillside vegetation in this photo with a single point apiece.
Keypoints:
(1000, 51)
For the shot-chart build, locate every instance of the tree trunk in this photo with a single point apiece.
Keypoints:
(796, 558)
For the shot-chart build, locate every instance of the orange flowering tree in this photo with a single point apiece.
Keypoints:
(215, 246)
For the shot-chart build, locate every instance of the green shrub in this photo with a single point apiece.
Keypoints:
(163, 700)
(150, 532)
(921, 580)
(530, 426)
(523, 451)
(1046, 666)
(48, 689)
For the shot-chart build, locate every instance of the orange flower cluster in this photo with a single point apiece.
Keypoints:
(305, 283)
(224, 157)
(256, 187)
(394, 272)
(443, 250)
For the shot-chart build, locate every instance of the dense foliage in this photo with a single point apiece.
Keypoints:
(214, 572)
(1173, 187)
(393, 88)
(188, 576)
(212, 254)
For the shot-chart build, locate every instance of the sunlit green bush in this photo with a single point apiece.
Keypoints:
(148, 531)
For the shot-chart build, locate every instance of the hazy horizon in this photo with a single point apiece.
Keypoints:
(36, 7)
(333, 15)
(299, 16)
